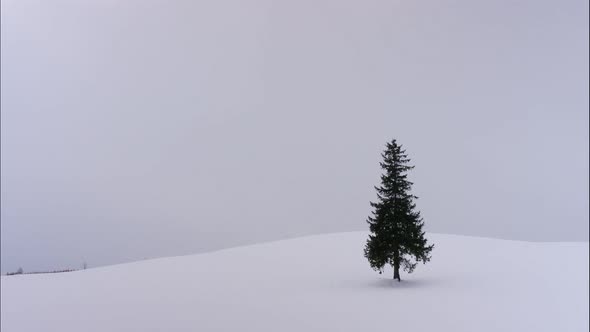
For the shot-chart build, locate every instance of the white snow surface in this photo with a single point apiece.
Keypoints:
(315, 283)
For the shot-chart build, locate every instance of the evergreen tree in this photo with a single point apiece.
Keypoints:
(396, 235)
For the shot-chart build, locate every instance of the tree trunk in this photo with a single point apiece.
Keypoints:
(396, 272)
(396, 263)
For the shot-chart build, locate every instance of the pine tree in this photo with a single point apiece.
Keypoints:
(396, 227)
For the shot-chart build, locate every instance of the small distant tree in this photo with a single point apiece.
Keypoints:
(396, 235)
(19, 271)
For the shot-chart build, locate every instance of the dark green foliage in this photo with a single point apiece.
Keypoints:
(396, 235)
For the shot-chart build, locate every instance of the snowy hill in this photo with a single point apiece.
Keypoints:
(315, 283)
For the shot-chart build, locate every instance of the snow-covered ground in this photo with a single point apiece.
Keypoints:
(315, 283)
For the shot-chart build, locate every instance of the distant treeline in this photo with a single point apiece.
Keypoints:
(39, 272)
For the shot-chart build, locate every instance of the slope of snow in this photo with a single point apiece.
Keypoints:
(316, 283)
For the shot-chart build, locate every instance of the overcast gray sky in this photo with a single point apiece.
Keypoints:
(137, 129)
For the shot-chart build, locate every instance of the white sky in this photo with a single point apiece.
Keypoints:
(136, 129)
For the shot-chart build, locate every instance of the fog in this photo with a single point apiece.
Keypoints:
(139, 129)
